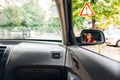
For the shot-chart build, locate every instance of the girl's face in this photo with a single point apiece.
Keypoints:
(89, 36)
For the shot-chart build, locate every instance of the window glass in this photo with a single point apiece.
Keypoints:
(106, 19)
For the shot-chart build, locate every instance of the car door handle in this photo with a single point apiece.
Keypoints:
(75, 62)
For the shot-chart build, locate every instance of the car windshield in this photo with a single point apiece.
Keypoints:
(29, 19)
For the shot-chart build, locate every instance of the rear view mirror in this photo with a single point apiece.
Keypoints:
(91, 37)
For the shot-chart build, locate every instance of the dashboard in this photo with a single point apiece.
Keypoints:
(22, 60)
(38, 60)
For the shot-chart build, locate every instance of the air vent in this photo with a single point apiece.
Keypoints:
(2, 50)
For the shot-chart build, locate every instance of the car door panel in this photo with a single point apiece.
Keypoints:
(75, 66)
(97, 66)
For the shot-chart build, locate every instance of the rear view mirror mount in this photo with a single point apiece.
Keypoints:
(91, 37)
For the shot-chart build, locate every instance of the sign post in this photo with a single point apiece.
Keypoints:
(87, 10)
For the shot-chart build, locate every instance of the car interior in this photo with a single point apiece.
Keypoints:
(55, 60)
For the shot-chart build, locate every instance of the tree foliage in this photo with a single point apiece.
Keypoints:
(106, 12)
(32, 14)
(29, 14)
(10, 16)
(54, 23)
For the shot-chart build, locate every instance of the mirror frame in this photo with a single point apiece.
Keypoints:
(92, 43)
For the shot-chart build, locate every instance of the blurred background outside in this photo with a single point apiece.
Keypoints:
(29, 19)
(106, 18)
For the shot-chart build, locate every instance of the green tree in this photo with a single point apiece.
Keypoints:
(10, 17)
(77, 20)
(54, 24)
(32, 14)
(105, 10)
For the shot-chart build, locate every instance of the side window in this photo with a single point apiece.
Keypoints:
(101, 15)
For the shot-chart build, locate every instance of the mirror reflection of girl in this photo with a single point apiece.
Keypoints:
(89, 38)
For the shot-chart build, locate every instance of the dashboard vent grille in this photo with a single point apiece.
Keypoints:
(2, 50)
